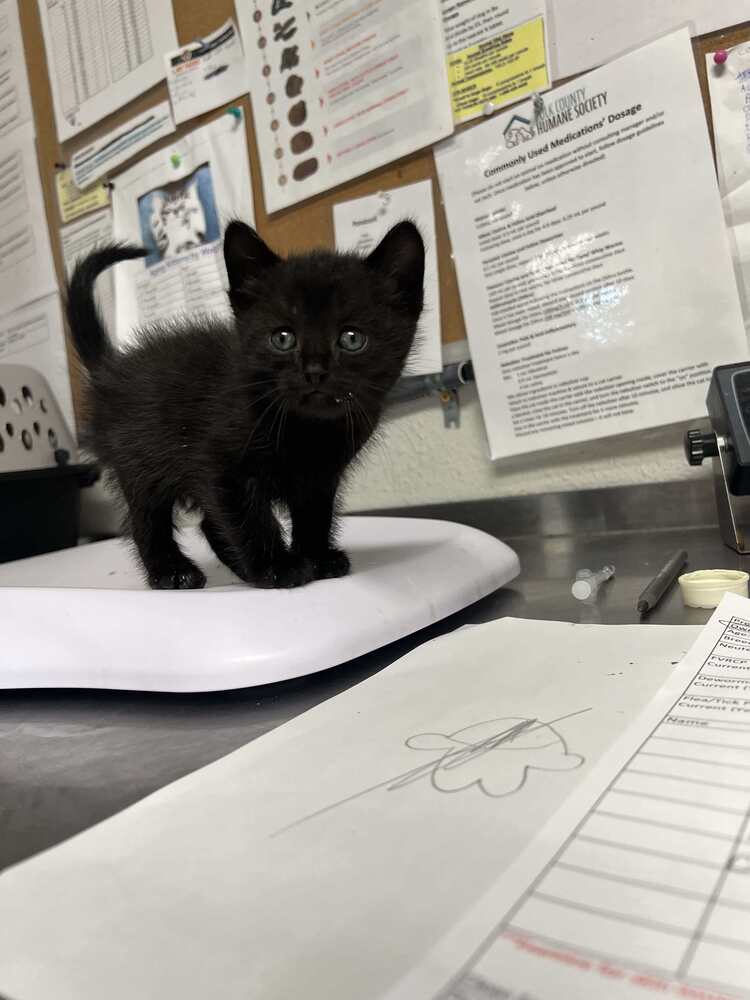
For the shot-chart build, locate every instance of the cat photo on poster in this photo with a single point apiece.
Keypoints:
(175, 203)
(179, 216)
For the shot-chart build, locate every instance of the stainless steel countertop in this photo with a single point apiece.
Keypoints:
(69, 759)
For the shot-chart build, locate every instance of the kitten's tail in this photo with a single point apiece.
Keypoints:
(86, 327)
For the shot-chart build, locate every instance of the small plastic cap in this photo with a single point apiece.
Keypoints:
(704, 588)
(582, 590)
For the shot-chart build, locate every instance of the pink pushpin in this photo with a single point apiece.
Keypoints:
(720, 57)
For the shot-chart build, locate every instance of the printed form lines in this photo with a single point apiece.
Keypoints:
(692, 781)
(686, 910)
(646, 885)
(693, 760)
(649, 852)
(585, 951)
(658, 872)
(654, 822)
(679, 801)
(727, 942)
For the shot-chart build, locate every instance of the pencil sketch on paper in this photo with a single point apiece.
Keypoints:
(495, 757)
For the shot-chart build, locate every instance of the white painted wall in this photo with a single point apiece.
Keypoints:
(417, 460)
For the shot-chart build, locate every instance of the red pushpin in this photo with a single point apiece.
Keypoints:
(720, 57)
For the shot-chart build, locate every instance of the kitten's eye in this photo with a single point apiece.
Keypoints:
(352, 340)
(283, 340)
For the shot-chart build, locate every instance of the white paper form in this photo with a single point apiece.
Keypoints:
(335, 850)
(340, 88)
(103, 155)
(78, 239)
(207, 73)
(497, 53)
(639, 885)
(588, 33)
(176, 203)
(580, 239)
(360, 224)
(729, 87)
(35, 335)
(26, 268)
(15, 97)
(102, 54)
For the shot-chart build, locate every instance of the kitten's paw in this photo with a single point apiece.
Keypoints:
(291, 571)
(334, 563)
(178, 578)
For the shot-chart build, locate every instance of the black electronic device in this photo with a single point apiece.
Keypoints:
(728, 444)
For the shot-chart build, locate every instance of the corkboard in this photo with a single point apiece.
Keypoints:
(305, 225)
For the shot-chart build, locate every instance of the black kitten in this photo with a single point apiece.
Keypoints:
(237, 417)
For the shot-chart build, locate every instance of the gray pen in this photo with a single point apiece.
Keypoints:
(654, 591)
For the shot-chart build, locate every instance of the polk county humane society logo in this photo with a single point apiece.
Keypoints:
(518, 130)
(549, 115)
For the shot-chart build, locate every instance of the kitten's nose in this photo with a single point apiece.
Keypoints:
(315, 373)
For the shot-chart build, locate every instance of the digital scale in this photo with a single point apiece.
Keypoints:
(84, 617)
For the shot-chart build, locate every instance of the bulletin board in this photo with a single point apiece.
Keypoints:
(305, 225)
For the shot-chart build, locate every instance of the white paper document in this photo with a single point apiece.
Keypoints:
(26, 268)
(333, 852)
(639, 885)
(78, 239)
(360, 224)
(35, 335)
(729, 87)
(104, 154)
(101, 54)
(207, 73)
(176, 203)
(580, 238)
(15, 98)
(341, 87)
(497, 53)
(587, 33)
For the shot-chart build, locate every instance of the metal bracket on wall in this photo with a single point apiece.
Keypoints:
(444, 385)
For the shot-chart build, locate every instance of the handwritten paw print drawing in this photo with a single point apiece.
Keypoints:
(495, 756)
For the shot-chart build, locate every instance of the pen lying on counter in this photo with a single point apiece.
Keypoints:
(657, 588)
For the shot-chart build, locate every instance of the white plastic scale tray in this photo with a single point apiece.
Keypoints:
(84, 618)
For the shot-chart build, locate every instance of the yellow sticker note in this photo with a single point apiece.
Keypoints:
(74, 202)
(500, 70)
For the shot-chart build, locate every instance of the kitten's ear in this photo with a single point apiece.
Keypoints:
(246, 257)
(400, 257)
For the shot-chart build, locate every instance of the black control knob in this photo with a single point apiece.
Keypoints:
(699, 446)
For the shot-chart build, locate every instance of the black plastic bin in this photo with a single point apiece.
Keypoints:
(40, 509)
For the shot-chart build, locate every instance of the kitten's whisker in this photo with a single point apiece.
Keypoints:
(251, 385)
(264, 395)
(350, 425)
(364, 414)
(282, 422)
(276, 398)
(368, 384)
(277, 416)
(259, 422)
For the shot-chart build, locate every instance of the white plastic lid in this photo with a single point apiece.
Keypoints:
(705, 587)
(582, 590)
